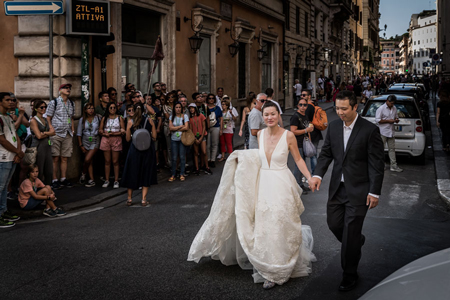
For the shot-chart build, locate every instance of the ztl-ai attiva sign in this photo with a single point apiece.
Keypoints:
(87, 17)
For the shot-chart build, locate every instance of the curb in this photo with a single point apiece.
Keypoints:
(440, 159)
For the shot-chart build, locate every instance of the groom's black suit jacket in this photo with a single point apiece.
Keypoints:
(362, 163)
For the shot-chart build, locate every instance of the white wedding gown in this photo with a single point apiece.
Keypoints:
(255, 218)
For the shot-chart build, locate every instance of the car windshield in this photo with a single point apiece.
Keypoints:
(404, 109)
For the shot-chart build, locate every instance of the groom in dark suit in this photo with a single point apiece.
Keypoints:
(355, 146)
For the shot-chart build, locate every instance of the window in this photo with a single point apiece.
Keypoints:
(267, 68)
(418, 42)
(392, 62)
(241, 70)
(423, 54)
(426, 53)
(414, 42)
(306, 25)
(297, 20)
(287, 20)
(204, 65)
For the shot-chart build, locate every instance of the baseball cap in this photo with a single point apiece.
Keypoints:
(225, 96)
(65, 85)
(192, 105)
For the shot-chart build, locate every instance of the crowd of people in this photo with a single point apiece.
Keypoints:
(167, 116)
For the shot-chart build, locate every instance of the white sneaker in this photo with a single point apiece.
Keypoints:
(106, 184)
(396, 169)
(82, 178)
(116, 185)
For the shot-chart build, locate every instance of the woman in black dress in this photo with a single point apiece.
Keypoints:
(140, 166)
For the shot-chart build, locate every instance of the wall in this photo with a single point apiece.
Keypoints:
(8, 63)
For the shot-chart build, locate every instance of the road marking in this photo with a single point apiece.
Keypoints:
(69, 215)
(195, 206)
(404, 195)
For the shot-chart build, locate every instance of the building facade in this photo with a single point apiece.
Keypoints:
(370, 24)
(403, 46)
(423, 38)
(390, 57)
(443, 37)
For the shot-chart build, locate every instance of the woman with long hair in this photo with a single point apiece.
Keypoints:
(140, 166)
(88, 141)
(197, 122)
(41, 132)
(111, 128)
(178, 123)
(251, 102)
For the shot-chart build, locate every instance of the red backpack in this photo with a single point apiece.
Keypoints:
(320, 120)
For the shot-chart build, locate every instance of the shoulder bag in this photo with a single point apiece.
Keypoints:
(187, 137)
(308, 147)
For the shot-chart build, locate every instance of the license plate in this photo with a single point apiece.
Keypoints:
(398, 128)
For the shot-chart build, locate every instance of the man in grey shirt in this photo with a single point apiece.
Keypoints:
(255, 121)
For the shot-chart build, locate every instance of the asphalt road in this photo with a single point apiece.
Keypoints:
(111, 251)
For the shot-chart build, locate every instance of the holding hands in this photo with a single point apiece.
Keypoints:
(314, 183)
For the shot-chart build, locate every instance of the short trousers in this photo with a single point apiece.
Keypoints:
(62, 146)
(203, 140)
(88, 145)
(32, 203)
(113, 143)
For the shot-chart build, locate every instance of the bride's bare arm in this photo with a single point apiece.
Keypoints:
(293, 149)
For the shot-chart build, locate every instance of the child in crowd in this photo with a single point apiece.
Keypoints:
(32, 192)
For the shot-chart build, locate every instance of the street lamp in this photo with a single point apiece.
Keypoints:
(260, 53)
(234, 47)
(195, 41)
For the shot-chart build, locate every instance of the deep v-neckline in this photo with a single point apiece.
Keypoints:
(276, 146)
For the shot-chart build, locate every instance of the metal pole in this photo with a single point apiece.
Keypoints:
(50, 55)
(103, 67)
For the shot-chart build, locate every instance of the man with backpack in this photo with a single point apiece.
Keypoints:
(60, 114)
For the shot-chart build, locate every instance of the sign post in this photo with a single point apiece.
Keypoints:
(13, 8)
(50, 8)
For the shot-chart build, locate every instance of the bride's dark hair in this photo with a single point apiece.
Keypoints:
(270, 103)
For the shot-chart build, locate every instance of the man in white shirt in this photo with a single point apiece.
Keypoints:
(219, 96)
(367, 93)
(385, 117)
(256, 121)
(298, 91)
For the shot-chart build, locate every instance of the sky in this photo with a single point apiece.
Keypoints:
(397, 14)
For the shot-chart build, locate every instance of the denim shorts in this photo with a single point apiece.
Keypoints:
(32, 203)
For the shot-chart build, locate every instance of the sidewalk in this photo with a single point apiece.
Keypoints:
(80, 196)
(441, 158)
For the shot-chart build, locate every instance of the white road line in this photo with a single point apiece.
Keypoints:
(69, 215)
(404, 195)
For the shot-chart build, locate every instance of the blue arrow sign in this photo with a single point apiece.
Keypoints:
(33, 8)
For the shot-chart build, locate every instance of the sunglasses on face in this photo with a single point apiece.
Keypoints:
(211, 98)
(43, 107)
(135, 97)
(112, 107)
(262, 101)
(67, 88)
(113, 94)
(304, 95)
(130, 110)
(304, 105)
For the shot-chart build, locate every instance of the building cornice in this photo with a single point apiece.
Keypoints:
(261, 8)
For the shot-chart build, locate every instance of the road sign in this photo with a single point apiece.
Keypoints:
(33, 8)
(87, 17)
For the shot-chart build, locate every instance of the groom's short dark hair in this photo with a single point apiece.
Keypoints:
(347, 95)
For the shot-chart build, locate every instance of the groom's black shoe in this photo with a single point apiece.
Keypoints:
(348, 284)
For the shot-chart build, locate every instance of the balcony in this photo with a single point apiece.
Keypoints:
(345, 11)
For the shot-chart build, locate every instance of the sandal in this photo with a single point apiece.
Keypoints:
(172, 179)
(222, 159)
(182, 178)
(144, 203)
(129, 201)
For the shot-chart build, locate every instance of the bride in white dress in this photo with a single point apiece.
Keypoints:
(255, 218)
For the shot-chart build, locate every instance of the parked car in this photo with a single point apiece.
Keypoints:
(425, 278)
(415, 91)
(419, 85)
(409, 132)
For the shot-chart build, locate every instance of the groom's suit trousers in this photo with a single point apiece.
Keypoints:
(346, 220)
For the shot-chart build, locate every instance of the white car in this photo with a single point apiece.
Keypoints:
(409, 132)
(425, 278)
